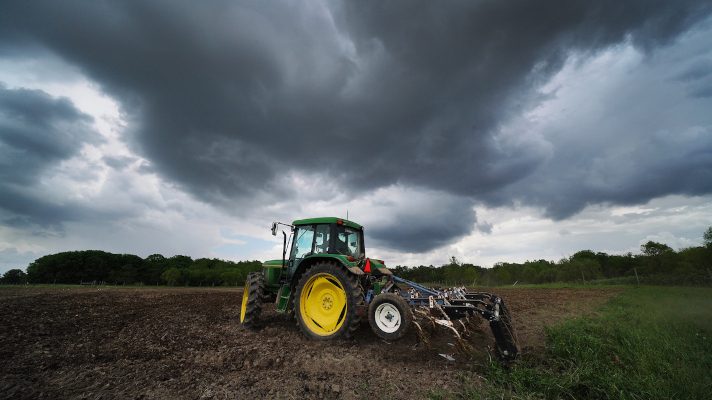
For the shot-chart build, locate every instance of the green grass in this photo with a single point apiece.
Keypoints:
(649, 343)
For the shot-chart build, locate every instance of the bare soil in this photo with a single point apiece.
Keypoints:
(91, 343)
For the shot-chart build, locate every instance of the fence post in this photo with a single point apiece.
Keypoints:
(636, 275)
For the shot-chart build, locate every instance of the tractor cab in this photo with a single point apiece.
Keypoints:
(326, 238)
(314, 240)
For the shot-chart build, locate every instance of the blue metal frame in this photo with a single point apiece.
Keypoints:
(415, 285)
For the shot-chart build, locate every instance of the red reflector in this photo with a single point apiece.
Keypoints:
(381, 261)
(368, 265)
(351, 259)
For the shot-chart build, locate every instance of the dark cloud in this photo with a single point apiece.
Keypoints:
(423, 225)
(226, 97)
(40, 127)
(37, 131)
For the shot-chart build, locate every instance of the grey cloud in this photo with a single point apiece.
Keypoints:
(656, 164)
(699, 69)
(11, 258)
(145, 168)
(703, 90)
(120, 162)
(424, 225)
(37, 131)
(226, 97)
(484, 227)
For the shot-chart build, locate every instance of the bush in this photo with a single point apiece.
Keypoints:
(13, 277)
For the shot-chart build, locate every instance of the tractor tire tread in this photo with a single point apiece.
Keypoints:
(256, 295)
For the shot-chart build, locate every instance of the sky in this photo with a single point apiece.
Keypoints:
(492, 131)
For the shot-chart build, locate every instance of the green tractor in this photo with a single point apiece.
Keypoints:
(329, 285)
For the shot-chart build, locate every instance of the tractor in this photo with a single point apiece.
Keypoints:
(329, 285)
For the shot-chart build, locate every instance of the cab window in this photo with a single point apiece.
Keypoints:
(321, 240)
(348, 241)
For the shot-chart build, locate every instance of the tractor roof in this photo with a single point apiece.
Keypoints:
(326, 220)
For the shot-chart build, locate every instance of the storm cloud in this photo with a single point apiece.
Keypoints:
(37, 132)
(225, 99)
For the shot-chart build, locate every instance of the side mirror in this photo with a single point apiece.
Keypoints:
(274, 229)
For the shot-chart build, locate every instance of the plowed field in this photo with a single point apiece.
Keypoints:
(89, 343)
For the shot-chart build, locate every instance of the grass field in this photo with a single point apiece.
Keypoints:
(647, 343)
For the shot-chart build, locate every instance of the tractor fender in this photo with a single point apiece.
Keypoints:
(309, 262)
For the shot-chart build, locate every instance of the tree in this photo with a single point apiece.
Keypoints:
(529, 274)
(707, 238)
(180, 262)
(172, 276)
(504, 276)
(547, 276)
(653, 249)
(230, 278)
(659, 257)
(579, 270)
(13, 277)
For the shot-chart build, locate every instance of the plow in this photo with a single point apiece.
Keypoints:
(329, 286)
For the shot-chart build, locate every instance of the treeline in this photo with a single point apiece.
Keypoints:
(73, 267)
(657, 264)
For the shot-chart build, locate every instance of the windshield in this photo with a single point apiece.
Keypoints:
(348, 241)
(303, 239)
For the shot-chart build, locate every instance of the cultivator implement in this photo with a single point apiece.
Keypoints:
(452, 308)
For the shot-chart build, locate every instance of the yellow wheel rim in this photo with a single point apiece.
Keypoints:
(322, 304)
(245, 296)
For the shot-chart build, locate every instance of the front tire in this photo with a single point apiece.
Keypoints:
(326, 300)
(389, 316)
(252, 299)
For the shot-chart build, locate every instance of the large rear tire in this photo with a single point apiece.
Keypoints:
(389, 316)
(326, 301)
(252, 299)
